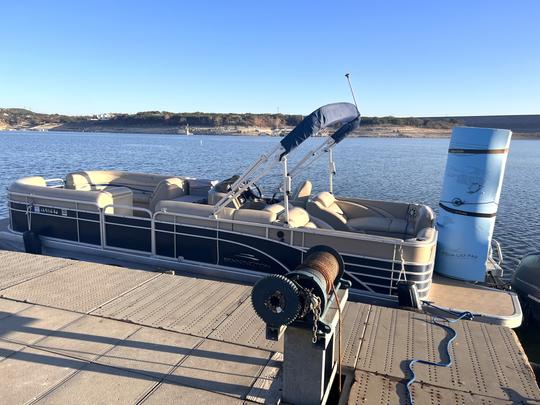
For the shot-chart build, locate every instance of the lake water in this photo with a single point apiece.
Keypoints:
(377, 168)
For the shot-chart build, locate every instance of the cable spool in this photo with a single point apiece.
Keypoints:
(323, 262)
(280, 300)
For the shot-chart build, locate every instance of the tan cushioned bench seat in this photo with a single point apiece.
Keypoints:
(193, 209)
(168, 189)
(258, 216)
(298, 217)
(370, 220)
(255, 217)
(66, 198)
(142, 184)
(378, 224)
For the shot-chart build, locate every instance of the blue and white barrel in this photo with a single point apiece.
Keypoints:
(470, 197)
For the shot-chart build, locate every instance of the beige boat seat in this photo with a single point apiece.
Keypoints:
(168, 189)
(215, 196)
(423, 235)
(298, 217)
(302, 194)
(40, 194)
(141, 184)
(258, 216)
(191, 209)
(254, 216)
(277, 208)
(339, 215)
(325, 207)
(190, 213)
(317, 223)
(383, 225)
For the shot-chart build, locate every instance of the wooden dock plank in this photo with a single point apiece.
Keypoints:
(8, 307)
(214, 349)
(136, 364)
(355, 318)
(245, 327)
(98, 384)
(487, 359)
(173, 394)
(33, 324)
(16, 268)
(183, 304)
(87, 338)
(455, 295)
(150, 351)
(372, 388)
(267, 388)
(79, 287)
(29, 372)
(221, 367)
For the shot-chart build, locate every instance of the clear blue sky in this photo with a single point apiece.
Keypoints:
(419, 58)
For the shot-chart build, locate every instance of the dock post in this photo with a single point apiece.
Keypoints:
(469, 201)
(309, 368)
(305, 368)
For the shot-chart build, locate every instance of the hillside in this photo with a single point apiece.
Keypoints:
(517, 123)
(254, 124)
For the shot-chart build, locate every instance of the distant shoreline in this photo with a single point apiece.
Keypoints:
(198, 123)
(364, 132)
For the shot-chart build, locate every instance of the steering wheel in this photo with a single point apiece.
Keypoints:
(259, 192)
(275, 200)
(250, 194)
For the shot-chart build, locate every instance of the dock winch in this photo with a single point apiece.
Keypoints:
(282, 300)
(305, 306)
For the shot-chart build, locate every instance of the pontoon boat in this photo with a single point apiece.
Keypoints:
(229, 228)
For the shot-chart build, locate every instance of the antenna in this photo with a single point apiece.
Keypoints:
(348, 76)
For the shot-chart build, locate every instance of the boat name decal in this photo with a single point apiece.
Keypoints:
(50, 210)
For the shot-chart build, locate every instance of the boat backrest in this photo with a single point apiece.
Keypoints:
(298, 218)
(199, 214)
(255, 216)
(277, 208)
(324, 207)
(35, 190)
(215, 196)
(168, 189)
(423, 217)
(302, 194)
(423, 234)
(142, 184)
(346, 215)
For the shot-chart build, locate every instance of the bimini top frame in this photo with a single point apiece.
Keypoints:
(326, 147)
(345, 114)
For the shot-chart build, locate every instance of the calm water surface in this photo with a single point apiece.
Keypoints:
(393, 169)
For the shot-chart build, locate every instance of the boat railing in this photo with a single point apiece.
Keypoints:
(343, 234)
(296, 236)
(499, 260)
(127, 207)
(30, 204)
(398, 262)
(103, 222)
(152, 217)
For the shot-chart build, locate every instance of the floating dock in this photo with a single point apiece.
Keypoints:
(73, 331)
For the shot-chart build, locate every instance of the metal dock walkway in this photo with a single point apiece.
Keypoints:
(77, 332)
